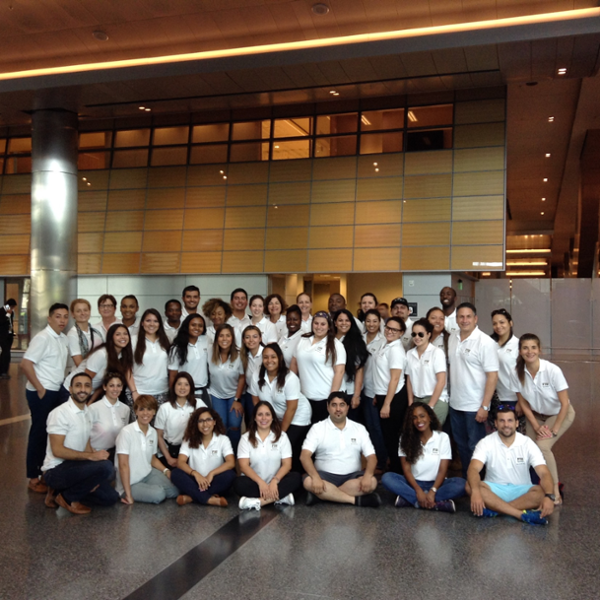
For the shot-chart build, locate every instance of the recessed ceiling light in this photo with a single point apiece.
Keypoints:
(541, 213)
(101, 36)
(548, 155)
(222, 172)
(224, 176)
(320, 8)
(562, 71)
(545, 180)
(374, 164)
(142, 107)
(84, 178)
(276, 147)
(550, 119)
(543, 199)
(147, 109)
(376, 170)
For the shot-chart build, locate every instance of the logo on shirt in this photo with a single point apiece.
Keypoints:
(426, 361)
(467, 350)
(545, 384)
(435, 451)
(353, 440)
(215, 452)
(231, 365)
(520, 460)
(274, 446)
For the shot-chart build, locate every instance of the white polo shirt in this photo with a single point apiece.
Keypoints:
(253, 364)
(542, 391)
(204, 460)
(306, 326)
(280, 326)
(171, 331)
(96, 363)
(315, 372)
(152, 376)
(406, 338)
(435, 450)
(196, 363)
(72, 422)
(211, 332)
(134, 328)
(450, 324)
(224, 378)
(107, 422)
(174, 419)
(49, 352)
(376, 343)
(470, 361)
(99, 326)
(387, 357)
(239, 325)
(508, 465)
(507, 359)
(265, 459)
(338, 450)
(288, 345)
(73, 340)
(423, 370)
(439, 343)
(140, 448)
(279, 397)
(268, 331)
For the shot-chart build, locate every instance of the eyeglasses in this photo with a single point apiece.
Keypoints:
(392, 329)
(421, 334)
(203, 421)
(106, 306)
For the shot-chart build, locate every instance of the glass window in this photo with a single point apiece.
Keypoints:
(335, 146)
(2, 146)
(215, 132)
(124, 159)
(377, 143)
(251, 130)
(132, 137)
(96, 139)
(254, 151)
(216, 153)
(164, 136)
(289, 150)
(330, 124)
(374, 120)
(16, 145)
(286, 128)
(18, 164)
(429, 116)
(430, 139)
(93, 160)
(169, 156)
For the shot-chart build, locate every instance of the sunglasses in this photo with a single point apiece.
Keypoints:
(421, 334)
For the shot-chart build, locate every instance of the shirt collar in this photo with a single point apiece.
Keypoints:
(107, 402)
(52, 332)
(74, 408)
(332, 425)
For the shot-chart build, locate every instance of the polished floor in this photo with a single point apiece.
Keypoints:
(301, 553)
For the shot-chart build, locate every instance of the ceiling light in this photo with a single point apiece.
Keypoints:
(548, 155)
(545, 180)
(320, 8)
(543, 199)
(364, 120)
(147, 109)
(541, 213)
(142, 107)
(276, 147)
(84, 178)
(526, 263)
(550, 119)
(524, 273)
(412, 117)
(101, 36)
(224, 176)
(562, 71)
(88, 183)
(222, 172)
(376, 170)
(486, 274)
(529, 251)
(332, 92)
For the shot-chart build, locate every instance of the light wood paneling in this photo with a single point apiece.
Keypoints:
(377, 259)
(203, 240)
(246, 195)
(425, 259)
(289, 261)
(379, 212)
(480, 159)
(480, 208)
(287, 238)
(325, 261)
(167, 177)
(87, 222)
(245, 217)
(89, 264)
(366, 236)
(92, 201)
(90, 242)
(343, 190)
(15, 204)
(477, 232)
(418, 163)
(428, 186)
(129, 241)
(427, 209)
(389, 165)
(331, 237)
(425, 234)
(244, 239)
(386, 188)
(124, 221)
(335, 168)
(297, 192)
(162, 241)
(166, 198)
(248, 173)
(162, 262)
(292, 170)
(201, 262)
(121, 179)
(479, 136)
(197, 197)
(14, 265)
(204, 218)
(14, 224)
(127, 199)
(479, 184)
(207, 175)
(163, 219)
(477, 258)
(121, 263)
(243, 262)
(332, 214)
(14, 244)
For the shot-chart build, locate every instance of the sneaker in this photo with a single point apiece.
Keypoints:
(489, 513)
(370, 500)
(445, 506)
(401, 502)
(249, 503)
(289, 499)
(533, 517)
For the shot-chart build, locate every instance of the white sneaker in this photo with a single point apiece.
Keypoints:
(289, 499)
(249, 503)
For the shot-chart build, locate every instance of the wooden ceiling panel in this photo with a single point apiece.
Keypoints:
(333, 72)
(543, 59)
(316, 74)
(359, 69)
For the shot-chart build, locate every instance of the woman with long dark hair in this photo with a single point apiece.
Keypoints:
(265, 460)
(543, 395)
(349, 334)
(206, 463)
(439, 335)
(251, 355)
(189, 353)
(172, 418)
(320, 362)
(276, 384)
(425, 454)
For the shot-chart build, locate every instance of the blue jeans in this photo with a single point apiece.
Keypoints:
(371, 416)
(36, 445)
(233, 423)
(467, 432)
(248, 406)
(75, 480)
(187, 485)
(453, 487)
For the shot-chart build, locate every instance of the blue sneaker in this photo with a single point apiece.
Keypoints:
(489, 513)
(533, 517)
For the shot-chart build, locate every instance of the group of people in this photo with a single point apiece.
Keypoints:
(329, 401)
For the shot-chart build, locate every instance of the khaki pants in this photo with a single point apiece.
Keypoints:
(440, 409)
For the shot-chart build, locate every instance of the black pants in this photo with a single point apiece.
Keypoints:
(319, 410)
(392, 426)
(244, 486)
(5, 346)
(296, 434)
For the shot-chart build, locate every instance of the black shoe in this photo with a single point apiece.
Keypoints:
(311, 499)
(371, 500)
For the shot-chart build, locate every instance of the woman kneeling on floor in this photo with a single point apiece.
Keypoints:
(141, 477)
(265, 459)
(206, 461)
(425, 455)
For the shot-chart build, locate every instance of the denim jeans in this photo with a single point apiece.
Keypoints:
(75, 480)
(453, 487)
(36, 446)
(233, 423)
(467, 433)
(373, 424)
(189, 486)
(154, 488)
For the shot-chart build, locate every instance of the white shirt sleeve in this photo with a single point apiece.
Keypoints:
(123, 442)
(340, 352)
(36, 349)
(445, 448)
(292, 388)
(397, 357)
(311, 441)
(161, 416)
(57, 424)
(226, 446)
(558, 379)
(489, 356)
(244, 447)
(439, 361)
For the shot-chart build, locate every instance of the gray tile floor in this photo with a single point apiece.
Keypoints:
(321, 552)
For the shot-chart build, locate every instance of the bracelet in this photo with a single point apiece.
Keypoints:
(165, 470)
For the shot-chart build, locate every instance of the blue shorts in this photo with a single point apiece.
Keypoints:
(509, 492)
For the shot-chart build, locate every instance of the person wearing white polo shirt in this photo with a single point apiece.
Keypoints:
(76, 473)
(448, 302)
(304, 302)
(507, 456)
(265, 460)
(239, 320)
(172, 321)
(141, 477)
(426, 371)
(44, 365)
(189, 353)
(107, 307)
(338, 444)
(400, 308)
(206, 463)
(543, 395)
(276, 384)
(292, 334)
(474, 368)
(129, 308)
(191, 299)
(259, 319)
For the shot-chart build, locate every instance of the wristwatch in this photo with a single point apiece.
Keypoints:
(551, 496)
(485, 407)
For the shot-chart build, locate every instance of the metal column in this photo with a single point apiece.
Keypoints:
(53, 212)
